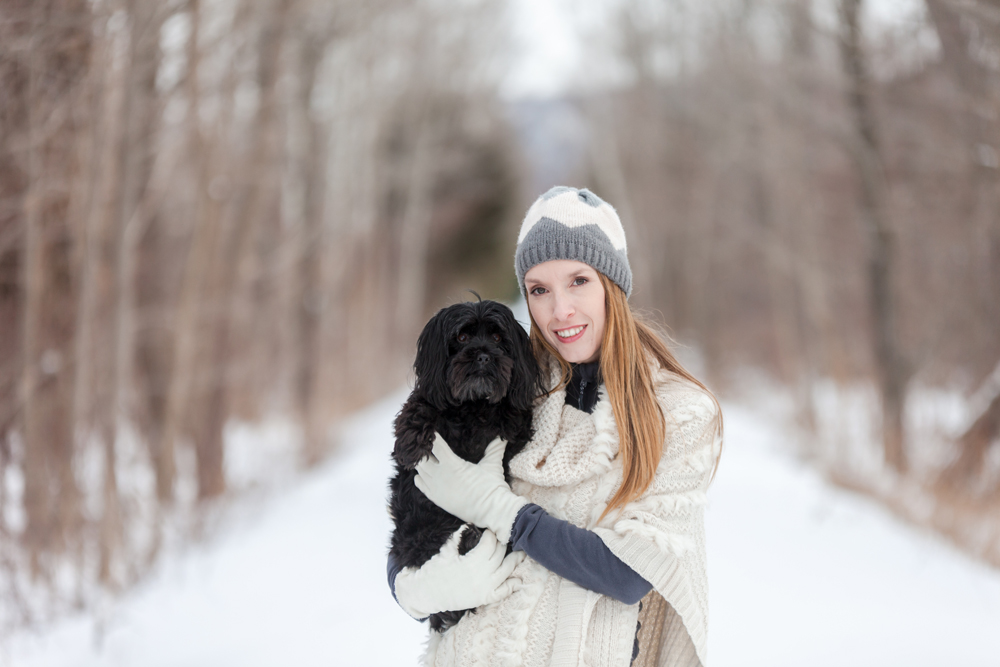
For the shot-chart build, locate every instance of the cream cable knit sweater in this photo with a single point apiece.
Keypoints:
(571, 469)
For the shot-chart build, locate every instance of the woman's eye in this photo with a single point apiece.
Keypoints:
(496, 338)
(537, 291)
(463, 338)
(580, 280)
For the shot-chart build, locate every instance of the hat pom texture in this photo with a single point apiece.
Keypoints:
(571, 223)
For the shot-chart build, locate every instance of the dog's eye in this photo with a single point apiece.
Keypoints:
(463, 338)
(497, 338)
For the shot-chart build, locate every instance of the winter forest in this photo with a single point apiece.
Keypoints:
(223, 224)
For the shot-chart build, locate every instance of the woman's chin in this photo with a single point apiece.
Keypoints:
(576, 355)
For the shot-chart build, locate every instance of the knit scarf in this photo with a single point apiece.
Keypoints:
(576, 452)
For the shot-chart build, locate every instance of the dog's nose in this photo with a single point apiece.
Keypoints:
(483, 358)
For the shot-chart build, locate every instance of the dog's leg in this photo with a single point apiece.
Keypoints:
(414, 433)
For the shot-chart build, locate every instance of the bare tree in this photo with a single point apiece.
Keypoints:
(207, 209)
(55, 63)
(893, 372)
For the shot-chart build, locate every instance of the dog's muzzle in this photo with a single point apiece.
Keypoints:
(477, 375)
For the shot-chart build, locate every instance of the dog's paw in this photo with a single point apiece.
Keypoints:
(470, 538)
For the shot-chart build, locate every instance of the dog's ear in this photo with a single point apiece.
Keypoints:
(526, 377)
(431, 364)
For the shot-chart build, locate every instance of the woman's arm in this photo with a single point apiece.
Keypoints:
(477, 493)
(391, 570)
(576, 554)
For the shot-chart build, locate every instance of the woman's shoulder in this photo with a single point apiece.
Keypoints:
(682, 398)
(693, 421)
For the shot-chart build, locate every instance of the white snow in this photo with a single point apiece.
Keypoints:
(801, 574)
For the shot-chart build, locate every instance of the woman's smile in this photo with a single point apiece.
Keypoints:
(570, 334)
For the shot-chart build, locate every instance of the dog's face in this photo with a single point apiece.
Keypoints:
(475, 351)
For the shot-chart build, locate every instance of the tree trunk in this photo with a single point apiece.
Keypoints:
(411, 277)
(195, 269)
(891, 368)
(259, 229)
(309, 300)
(51, 497)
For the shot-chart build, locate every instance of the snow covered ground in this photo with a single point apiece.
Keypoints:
(801, 574)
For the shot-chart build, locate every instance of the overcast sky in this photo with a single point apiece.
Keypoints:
(546, 49)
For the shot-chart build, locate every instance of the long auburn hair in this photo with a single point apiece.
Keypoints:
(626, 348)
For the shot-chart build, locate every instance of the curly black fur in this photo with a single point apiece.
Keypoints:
(476, 379)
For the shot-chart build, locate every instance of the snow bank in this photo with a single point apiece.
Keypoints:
(803, 573)
(300, 581)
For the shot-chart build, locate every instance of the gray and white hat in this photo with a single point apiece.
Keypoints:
(567, 223)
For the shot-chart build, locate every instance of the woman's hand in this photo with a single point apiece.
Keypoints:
(451, 582)
(474, 492)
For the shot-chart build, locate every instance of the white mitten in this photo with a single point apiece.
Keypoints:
(450, 582)
(474, 492)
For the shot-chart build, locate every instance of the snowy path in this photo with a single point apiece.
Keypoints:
(802, 575)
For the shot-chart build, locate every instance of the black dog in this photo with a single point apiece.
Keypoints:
(476, 378)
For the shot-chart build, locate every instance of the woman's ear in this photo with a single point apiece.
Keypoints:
(431, 364)
(526, 377)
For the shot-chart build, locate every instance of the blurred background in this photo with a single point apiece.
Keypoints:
(219, 215)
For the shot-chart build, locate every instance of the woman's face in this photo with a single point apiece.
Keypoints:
(566, 300)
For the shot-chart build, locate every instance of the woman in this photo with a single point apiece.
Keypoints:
(607, 499)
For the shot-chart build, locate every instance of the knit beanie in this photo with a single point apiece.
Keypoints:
(567, 223)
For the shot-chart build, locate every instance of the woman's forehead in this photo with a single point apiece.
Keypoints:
(557, 269)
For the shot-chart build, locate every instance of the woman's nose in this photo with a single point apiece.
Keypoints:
(564, 307)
